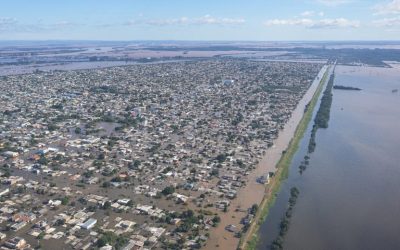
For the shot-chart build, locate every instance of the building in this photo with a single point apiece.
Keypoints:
(15, 243)
(10, 154)
(228, 81)
(4, 192)
(89, 224)
(134, 245)
(18, 226)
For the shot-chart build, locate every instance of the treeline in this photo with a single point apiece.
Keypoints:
(322, 118)
(284, 225)
(345, 87)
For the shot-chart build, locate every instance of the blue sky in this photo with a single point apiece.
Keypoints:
(266, 20)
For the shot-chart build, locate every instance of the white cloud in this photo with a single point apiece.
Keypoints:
(204, 20)
(387, 22)
(12, 25)
(307, 13)
(64, 24)
(336, 23)
(7, 23)
(299, 21)
(127, 23)
(333, 2)
(207, 19)
(162, 22)
(310, 13)
(392, 7)
(315, 24)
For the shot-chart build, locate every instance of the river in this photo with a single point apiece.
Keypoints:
(349, 194)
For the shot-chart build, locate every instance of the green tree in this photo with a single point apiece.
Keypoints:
(168, 190)
(65, 200)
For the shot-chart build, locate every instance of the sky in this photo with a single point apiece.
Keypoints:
(211, 20)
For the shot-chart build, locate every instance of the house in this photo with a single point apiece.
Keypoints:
(145, 209)
(124, 201)
(106, 247)
(228, 81)
(124, 226)
(89, 224)
(180, 197)
(15, 243)
(4, 192)
(26, 217)
(133, 244)
(19, 225)
(156, 231)
(10, 154)
(54, 203)
(175, 221)
(92, 180)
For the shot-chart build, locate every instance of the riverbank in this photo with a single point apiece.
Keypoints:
(250, 238)
(253, 192)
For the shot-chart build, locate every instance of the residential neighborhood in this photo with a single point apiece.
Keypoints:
(144, 156)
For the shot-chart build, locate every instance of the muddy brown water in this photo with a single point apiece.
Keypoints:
(349, 194)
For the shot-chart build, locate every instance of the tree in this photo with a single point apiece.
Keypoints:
(187, 214)
(168, 190)
(277, 243)
(112, 239)
(253, 209)
(221, 158)
(106, 184)
(6, 173)
(41, 235)
(240, 163)
(52, 127)
(130, 203)
(101, 156)
(106, 205)
(65, 200)
(214, 172)
(82, 200)
(92, 208)
(43, 160)
(216, 219)
(135, 164)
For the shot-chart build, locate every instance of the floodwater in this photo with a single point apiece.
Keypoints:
(350, 192)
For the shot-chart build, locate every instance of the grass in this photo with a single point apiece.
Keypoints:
(250, 239)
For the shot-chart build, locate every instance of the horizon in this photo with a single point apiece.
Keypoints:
(210, 41)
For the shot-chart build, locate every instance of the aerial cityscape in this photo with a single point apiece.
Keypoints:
(129, 125)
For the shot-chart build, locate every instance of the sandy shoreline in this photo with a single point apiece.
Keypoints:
(254, 192)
